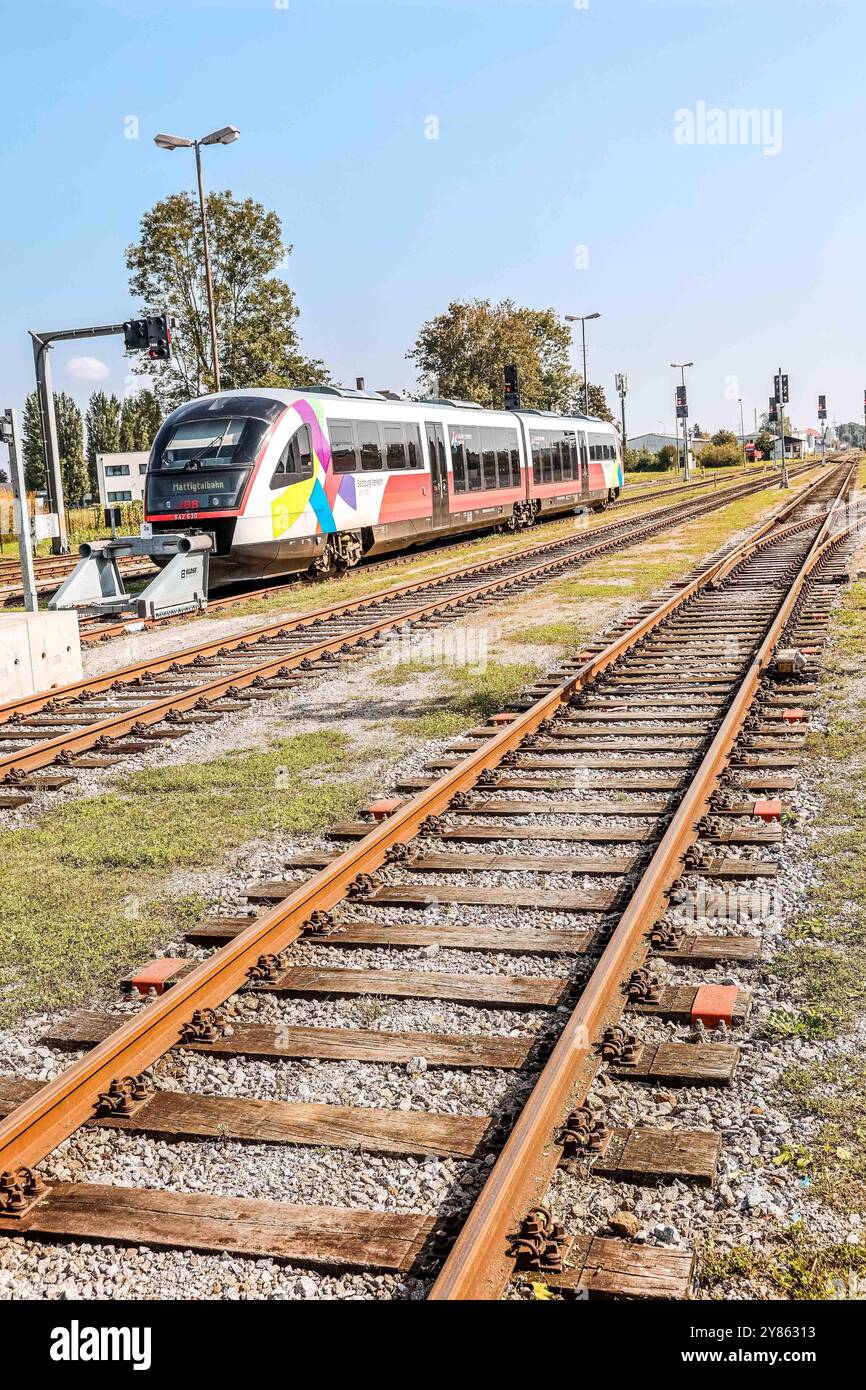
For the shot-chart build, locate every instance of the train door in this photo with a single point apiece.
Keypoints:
(438, 473)
(584, 466)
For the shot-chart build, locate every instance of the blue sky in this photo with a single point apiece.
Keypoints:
(556, 132)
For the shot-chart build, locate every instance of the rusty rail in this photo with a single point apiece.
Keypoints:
(36, 1126)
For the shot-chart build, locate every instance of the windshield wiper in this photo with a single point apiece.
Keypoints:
(218, 440)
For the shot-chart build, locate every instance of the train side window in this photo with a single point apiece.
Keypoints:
(488, 450)
(536, 465)
(413, 446)
(503, 461)
(370, 445)
(566, 458)
(343, 455)
(295, 462)
(515, 459)
(395, 451)
(472, 446)
(556, 458)
(546, 463)
(458, 461)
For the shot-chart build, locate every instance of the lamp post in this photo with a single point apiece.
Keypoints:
(226, 135)
(583, 319)
(681, 368)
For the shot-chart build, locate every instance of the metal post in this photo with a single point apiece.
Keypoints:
(10, 435)
(785, 482)
(622, 388)
(53, 475)
(207, 272)
(585, 382)
(742, 432)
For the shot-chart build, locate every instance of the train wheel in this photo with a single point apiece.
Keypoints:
(348, 548)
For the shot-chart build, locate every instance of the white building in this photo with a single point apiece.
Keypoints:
(121, 477)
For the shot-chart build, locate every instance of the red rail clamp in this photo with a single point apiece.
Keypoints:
(767, 810)
(714, 1004)
(157, 974)
(793, 715)
(381, 810)
(502, 718)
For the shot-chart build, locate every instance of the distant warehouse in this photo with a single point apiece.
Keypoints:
(121, 477)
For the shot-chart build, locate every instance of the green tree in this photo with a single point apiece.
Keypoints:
(103, 433)
(32, 448)
(140, 418)
(255, 309)
(764, 442)
(463, 353)
(70, 446)
(667, 457)
(723, 437)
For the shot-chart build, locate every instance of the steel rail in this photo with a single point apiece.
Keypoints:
(44, 752)
(40, 1123)
(606, 535)
(479, 1265)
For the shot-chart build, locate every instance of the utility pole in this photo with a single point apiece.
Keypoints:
(583, 319)
(11, 438)
(742, 432)
(621, 382)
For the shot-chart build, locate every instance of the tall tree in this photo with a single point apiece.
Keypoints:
(463, 352)
(255, 309)
(32, 448)
(140, 418)
(70, 446)
(103, 433)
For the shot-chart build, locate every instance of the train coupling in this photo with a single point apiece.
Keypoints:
(96, 586)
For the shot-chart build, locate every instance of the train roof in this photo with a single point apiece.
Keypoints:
(440, 402)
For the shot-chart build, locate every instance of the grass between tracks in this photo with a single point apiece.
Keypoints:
(568, 612)
(88, 890)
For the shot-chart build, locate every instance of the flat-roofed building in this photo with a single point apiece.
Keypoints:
(121, 477)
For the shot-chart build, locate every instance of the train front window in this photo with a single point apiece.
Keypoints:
(204, 444)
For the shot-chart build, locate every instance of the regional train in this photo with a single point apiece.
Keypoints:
(316, 480)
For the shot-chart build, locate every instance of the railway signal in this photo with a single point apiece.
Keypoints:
(151, 335)
(512, 388)
(780, 391)
(682, 413)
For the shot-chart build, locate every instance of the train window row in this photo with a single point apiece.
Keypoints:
(554, 456)
(483, 457)
(373, 446)
(600, 448)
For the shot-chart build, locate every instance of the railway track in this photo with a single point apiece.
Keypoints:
(103, 629)
(550, 866)
(51, 570)
(102, 718)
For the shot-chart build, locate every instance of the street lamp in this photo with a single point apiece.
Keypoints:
(226, 135)
(681, 368)
(583, 319)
